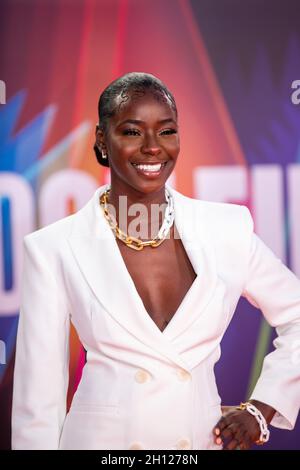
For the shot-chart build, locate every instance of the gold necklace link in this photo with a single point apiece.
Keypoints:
(132, 242)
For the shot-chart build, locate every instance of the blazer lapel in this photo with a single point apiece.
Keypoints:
(95, 249)
(192, 226)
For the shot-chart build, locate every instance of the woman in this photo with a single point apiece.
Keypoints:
(150, 315)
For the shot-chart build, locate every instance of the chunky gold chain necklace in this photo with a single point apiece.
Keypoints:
(133, 242)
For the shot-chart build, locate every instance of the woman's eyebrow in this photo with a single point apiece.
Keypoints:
(138, 121)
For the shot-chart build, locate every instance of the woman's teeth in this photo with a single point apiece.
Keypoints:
(144, 167)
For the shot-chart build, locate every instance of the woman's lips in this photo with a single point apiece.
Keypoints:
(150, 170)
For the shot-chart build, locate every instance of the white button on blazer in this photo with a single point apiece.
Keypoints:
(142, 386)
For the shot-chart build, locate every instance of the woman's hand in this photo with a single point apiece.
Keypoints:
(238, 429)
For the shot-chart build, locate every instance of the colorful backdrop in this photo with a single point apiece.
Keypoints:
(234, 68)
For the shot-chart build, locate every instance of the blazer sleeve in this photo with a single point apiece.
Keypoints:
(42, 354)
(275, 290)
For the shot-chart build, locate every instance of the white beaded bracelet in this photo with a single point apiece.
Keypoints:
(264, 431)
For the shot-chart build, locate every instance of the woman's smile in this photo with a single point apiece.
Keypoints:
(150, 170)
(142, 144)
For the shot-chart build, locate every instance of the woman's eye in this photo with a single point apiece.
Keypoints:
(169, 131)
(136, 132)
(130, 132)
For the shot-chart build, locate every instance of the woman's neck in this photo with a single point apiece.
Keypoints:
(138, 214)
(134, 196)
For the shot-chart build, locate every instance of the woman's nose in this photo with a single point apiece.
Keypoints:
(150, 146)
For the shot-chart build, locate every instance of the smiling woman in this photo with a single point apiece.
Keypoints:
(149, 310)
(137, 133)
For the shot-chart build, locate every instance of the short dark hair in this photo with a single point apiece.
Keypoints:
(120, 90)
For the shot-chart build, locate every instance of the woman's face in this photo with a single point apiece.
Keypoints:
(142, 144)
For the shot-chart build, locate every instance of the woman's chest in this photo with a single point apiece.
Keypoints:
(162, 277)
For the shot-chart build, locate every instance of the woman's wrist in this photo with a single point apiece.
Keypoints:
(266, 410)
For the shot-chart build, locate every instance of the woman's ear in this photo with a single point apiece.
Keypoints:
(100, 147)
(98, 135)
(100, 140)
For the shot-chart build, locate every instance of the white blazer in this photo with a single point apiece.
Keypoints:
(143, 388)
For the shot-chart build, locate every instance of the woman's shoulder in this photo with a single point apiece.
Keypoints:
(218, 212)
(63, 227)
(229, 227)
(57, 232)
(51, 235)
